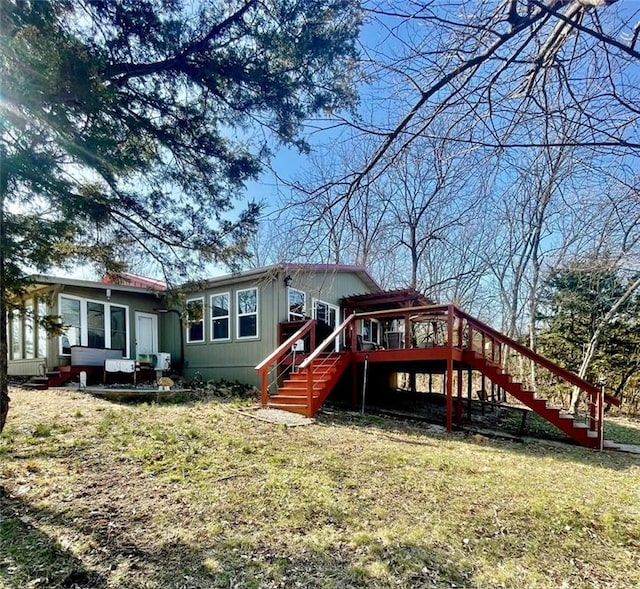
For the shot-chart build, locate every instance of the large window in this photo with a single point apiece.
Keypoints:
(247, 313)
(16, 335)
(220, 317)
(29, 330)
(93, 323)
(27, 339)
(43, 336)
(118, 328)
(70, 314)
(195, 320)
(297, 304)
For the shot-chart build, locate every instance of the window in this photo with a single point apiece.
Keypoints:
(29, 330)
(195, 320)
(220, 316)
(118, 328)
(26, 338)
(247, 309)
(371, 331)
(16, 335)
(297, 304)
(42, 332)
(93, 323)
(70, 313)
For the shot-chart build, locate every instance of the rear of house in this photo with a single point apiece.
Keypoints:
(234, 321)
(221, 330)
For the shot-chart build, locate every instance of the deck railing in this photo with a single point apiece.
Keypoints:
(279, 361)
(450, 327)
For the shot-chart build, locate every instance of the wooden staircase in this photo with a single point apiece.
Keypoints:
(461, 342)
(304, 391)
(580, 432)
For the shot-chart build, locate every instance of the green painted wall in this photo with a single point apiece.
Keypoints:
(235, 359)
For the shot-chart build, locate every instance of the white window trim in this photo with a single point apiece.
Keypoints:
(84, 330)
(239, 315)
(370, 341)
(228, 316)
(336, 308)
(204, 323)
(290, 289)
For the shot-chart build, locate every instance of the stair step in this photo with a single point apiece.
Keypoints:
(290, 399)
(39, 380)
(302, 409)
(35, 386)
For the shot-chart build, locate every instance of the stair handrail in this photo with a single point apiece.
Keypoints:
(567, 375)
(286, 346)
(275, 356)
(331, 338)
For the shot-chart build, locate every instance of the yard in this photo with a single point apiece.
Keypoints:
(95, 494)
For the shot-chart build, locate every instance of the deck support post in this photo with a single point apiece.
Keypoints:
(459, 399)
(469, 393)
(449, 377)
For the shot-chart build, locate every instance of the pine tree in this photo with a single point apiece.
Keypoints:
(129, 127)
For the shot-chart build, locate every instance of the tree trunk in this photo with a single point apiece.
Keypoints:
(4, 348)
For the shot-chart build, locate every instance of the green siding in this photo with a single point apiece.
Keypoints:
(235, 359)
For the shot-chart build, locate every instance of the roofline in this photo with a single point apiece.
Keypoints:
(287, 267)
(55, 280)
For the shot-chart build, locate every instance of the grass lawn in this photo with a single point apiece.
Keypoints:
(94, 494)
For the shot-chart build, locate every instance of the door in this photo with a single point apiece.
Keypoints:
(146, 333)
(329, 314)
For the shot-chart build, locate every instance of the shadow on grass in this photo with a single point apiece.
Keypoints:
(32, 558)
(565, 451)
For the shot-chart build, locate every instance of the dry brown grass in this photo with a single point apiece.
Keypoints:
(94, 494)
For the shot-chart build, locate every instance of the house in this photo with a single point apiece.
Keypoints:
(234, 321)
(97, 315)
(223, 328)
(298, 331)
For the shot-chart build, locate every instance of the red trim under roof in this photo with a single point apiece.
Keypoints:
(128, 279)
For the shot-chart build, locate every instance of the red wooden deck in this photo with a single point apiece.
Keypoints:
(440, 339)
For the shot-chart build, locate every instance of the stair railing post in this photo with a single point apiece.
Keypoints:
(593, 411)
(407, 331)
(309, 391)
(265, 387)
(312, 338)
